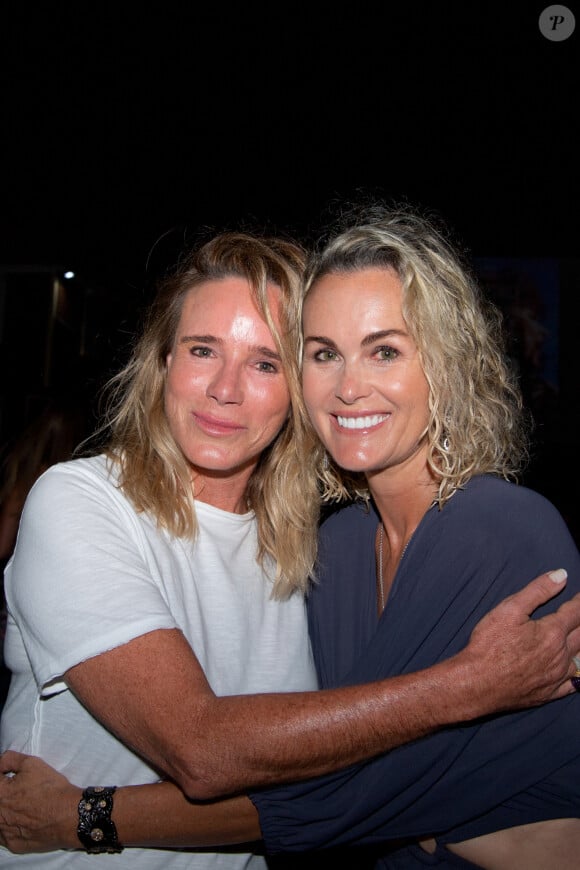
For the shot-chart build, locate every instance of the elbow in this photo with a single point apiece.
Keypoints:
(199, 789)
(201, 780)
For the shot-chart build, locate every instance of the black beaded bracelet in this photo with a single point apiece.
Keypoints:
(96, 829)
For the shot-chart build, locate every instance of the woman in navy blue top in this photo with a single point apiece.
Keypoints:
(465, 781)
(407, 387)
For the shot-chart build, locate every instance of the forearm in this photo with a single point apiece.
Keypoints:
(160, 815)
(217, 746)
(265, 740)
(213, 746)
(152, 815)
(279, 738)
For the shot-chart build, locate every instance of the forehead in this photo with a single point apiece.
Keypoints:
(359, 293)
(218, 304)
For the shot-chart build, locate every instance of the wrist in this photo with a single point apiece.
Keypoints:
(458, 695)
(96, 829)
(65, 823)
(469, 693)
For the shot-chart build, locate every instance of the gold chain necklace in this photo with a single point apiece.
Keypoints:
(381, 579)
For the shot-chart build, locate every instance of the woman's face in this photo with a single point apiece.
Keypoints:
(364, 385)
(226, 396)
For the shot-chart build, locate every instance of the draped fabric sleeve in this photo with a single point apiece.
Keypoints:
(488, 541)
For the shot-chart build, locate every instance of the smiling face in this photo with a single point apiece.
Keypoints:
(363, 382)
(226, 396)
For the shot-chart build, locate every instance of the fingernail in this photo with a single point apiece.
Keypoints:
(558, 576)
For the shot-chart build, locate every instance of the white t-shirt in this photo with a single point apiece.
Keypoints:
(88, 574)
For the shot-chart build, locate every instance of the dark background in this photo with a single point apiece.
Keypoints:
(128, 129)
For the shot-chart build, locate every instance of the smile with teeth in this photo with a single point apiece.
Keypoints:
(366, 422)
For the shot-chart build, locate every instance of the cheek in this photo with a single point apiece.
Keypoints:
(178, 394)
(410, 386)
(310, 388)
(182, 382)
(170, 395)
(418, 393)
(422, 391)
(283, 404)
(171, 407)
(313, 403)
(271, 403)
(171, 376)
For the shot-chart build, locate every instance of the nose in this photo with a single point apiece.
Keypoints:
(226, 385)
(351, 385)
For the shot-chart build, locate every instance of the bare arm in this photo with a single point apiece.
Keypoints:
(153, 815)
(213, 746)
(160, 815)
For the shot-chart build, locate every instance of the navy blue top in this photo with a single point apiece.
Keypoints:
(488, 541)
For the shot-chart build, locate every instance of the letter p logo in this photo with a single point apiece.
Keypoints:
(557, 23)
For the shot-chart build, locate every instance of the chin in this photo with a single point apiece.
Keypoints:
(353, 464)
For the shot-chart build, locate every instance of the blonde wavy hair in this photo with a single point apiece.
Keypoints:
(154, 474)
(477, 424)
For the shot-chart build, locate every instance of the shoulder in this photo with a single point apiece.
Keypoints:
(345, 539)
(501, 527)
(502, 504)
(72, 482)
(346, 520)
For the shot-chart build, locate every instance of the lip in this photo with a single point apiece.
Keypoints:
(356, 423)
(215, 426)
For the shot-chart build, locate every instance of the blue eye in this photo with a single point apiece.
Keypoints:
(200, 351)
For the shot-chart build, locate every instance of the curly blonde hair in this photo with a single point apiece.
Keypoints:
(477, 424)
(154, 474)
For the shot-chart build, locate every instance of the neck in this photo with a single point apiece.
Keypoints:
(401, 510)
(228, 492)
(402, 503)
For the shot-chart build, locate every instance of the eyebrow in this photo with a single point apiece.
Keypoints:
(202, 339)
(367, 340)
(213, 339)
